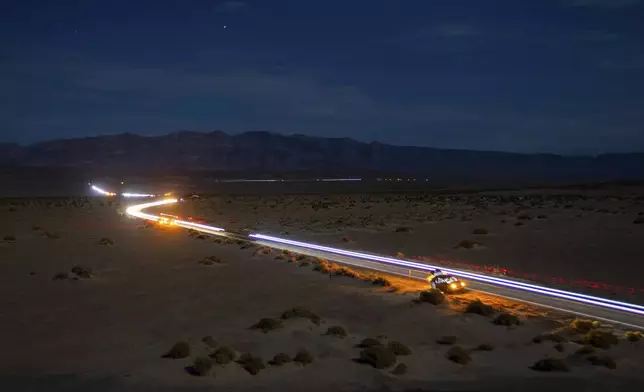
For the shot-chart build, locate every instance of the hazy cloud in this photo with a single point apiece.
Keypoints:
(601, 3)
(455, 30)
(232, 6)
(597, 36)
(615, 65)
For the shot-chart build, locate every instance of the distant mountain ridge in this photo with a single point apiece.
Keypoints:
(270, 152)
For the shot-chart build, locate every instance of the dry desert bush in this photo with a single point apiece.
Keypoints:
(301, 312)
(267, 324)
(178, 350)
(303, 357)
(550, 365)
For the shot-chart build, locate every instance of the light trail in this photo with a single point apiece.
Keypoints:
(137, 211)
(633, 309)
(617, 305)
(126, 194)
(102, 191)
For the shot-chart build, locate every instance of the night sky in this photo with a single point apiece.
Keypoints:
(563, 76)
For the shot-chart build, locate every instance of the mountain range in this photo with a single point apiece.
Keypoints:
(265, 152)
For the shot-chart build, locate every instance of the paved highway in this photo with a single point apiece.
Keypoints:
(616, 312)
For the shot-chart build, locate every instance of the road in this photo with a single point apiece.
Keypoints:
(611, 311)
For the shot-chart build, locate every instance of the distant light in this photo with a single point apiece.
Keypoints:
(137, 195)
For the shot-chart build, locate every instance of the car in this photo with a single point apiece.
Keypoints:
(447, 283)
(167, 219)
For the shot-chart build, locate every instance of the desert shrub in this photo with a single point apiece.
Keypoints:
(266, 250)
(524, 217)
(600, 339)
(638, 220)
(201, 366)
(403, 229)
(303, 357)
(400, 255)
(433, 296)
(378, 357)
(300, 257)
(323, 267)
(519, 224)
(398, 348)
(633, 336)
(61, 276)
(542, 217)
(559, 347)
(552, 337)
(346, 239)
(337, 331)
(178, 350)
(550, 365)
(280, 359)
(369, 342)
(304, 264)
(301, 312)
(484, 347)
(105, 241)
(267, 324)
(251, 363)
(281, 257)
(507, 319)
(459, 355)
(400, 369)
(37, 228)
(82, 272)
(230, 241)
(51, 235)
(478, 307)
(348, 272)
(217, 240)
(381, 281)
(201, 237)
(209, 341)
(245, 245)
(447, 340)
(584, 326)
(480, 231)
(585, 350)
(468, 244)
(210, 260)
(223, 355)
(603, 360)
(10, 238)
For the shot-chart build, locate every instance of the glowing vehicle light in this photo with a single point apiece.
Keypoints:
(137, 195)
(102, 191)
(587, 299)
(453, 285)
(137, 211)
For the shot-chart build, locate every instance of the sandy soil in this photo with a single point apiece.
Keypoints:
(148, 291)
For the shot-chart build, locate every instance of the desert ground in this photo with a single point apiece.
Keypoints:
(91, 300)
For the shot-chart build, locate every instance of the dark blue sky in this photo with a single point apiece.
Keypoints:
(563, 76)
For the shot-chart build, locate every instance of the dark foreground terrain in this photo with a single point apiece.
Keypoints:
(91, 300)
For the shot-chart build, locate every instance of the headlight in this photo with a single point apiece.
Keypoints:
(453, 285)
